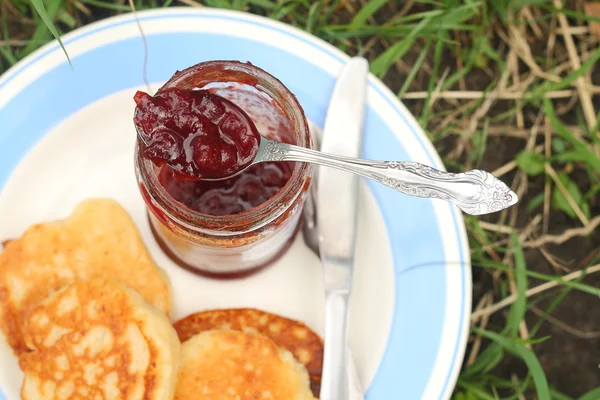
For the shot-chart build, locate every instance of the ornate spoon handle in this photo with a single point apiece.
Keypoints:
(475, 192)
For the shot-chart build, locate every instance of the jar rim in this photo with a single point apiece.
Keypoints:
(276, 205)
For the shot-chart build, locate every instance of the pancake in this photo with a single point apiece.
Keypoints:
(301, 341)
(98, 340)
(236, 365)
(99, 239)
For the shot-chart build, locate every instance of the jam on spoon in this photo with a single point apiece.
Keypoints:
(196, 133)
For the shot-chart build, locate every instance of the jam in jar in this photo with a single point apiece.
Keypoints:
(204, 123)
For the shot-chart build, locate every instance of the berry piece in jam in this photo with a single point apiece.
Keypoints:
(198, 134)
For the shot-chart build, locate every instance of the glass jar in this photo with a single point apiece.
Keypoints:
(238, 244)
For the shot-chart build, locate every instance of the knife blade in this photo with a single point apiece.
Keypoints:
(337, 206)
(310, 234)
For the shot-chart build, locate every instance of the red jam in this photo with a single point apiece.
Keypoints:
(198, 134)
(240, 193)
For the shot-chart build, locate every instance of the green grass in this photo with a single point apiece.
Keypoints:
(456, 46)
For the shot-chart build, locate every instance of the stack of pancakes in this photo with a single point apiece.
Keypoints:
(247, 354)
(87, 312)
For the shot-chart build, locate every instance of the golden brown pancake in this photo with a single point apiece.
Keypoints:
(292, 335)
(236, 365)
(99, 239)
(99, 340)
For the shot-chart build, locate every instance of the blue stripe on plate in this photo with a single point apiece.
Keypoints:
(420, 292)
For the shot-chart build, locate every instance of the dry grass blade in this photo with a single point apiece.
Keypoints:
(476, 315)
(584, 95)
(496, 228)
(498, 95)
(191, 3)
(484, 302)
(566, 235)
(565, 327)
(551, 259)
(547, 184)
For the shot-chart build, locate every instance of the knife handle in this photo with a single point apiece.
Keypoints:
(476, 192)
(334, 384)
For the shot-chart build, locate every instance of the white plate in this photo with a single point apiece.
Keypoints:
(66, 135)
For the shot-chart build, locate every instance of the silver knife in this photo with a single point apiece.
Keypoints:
(310, 233)
(337, 198)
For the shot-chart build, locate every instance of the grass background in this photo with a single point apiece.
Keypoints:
(507, 86)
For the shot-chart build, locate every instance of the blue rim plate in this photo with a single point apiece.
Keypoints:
(432, 286)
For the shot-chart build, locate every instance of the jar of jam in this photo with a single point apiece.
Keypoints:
(232, 227)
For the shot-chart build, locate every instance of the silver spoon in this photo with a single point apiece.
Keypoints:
(475, 192)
